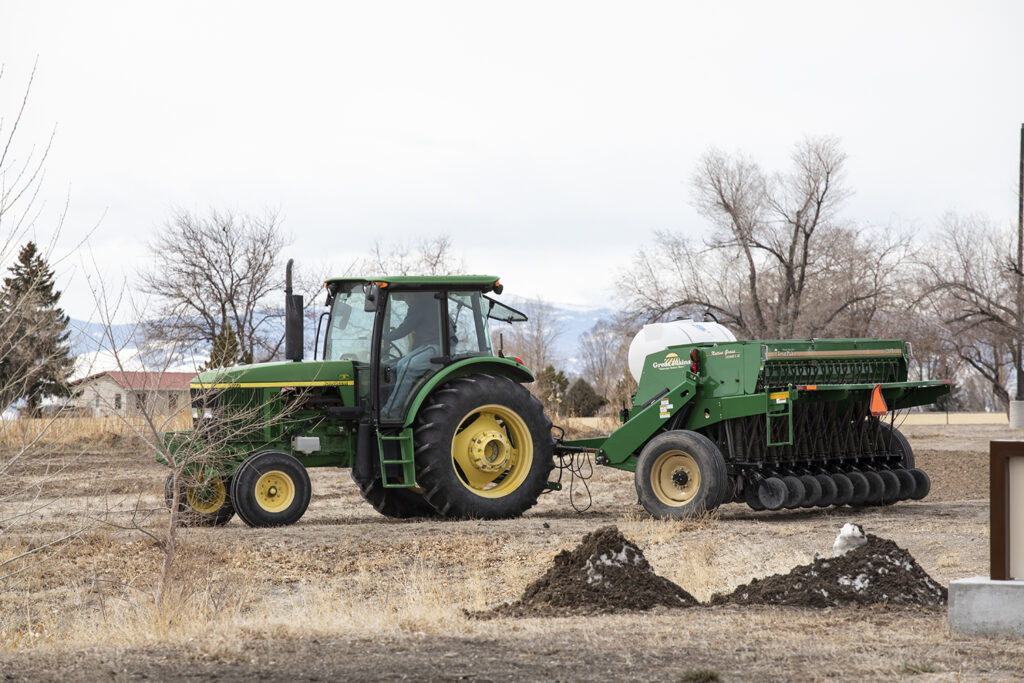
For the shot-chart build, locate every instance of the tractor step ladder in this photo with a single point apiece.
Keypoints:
(405, 450)
(779, 406)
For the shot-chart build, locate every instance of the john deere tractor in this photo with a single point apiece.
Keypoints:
(404, 388)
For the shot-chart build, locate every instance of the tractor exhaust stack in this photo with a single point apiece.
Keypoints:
(293, 332)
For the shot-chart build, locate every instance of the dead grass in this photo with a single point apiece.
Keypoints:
(368, 585)
(81, 430)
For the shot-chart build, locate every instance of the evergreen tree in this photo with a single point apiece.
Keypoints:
(581, 400)
(35, 357)
(551, 386)
(225, 350)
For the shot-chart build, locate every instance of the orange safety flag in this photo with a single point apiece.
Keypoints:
(878, 407)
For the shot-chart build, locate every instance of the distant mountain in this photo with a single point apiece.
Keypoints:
(574, 322)
(91, 344)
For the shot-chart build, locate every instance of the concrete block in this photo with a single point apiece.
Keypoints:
(980, 606)
(1016, 414)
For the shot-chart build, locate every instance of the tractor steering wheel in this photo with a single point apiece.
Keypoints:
(393, 352)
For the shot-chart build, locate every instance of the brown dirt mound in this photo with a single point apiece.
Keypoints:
(605, 573)
(877, 572)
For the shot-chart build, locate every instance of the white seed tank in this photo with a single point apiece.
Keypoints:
(660, 336)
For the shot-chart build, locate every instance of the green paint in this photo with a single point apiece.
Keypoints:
(737, 379)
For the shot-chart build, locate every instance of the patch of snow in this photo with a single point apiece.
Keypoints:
(850, 536)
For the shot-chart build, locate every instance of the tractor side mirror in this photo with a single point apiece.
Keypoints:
(372, 292)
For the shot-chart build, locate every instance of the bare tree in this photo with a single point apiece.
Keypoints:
(26, 445)
(970, 279)
(534, 340)
(427, 256)
(212, 270)
(779, 261)
(604, 358)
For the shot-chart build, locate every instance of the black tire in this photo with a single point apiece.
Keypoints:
(812, 491)
(679, 474)
(861, 488)
(923, 483)
(891, 493)
(502, 437)
(270, 489)
(829, 490)
(750, 495)
(795, 492)
(876, 488)
(772, 493)
(397, 503)
(201, 505)
(908, 484)
(900, 445)
(844, 488)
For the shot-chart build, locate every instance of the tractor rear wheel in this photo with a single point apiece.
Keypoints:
(483, 448)
(270, 489)
(679, 474)
(397, 503)
(200, 504)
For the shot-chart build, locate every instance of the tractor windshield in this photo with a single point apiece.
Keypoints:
(351, 328)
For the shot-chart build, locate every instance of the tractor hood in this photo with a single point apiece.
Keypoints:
(280, 374)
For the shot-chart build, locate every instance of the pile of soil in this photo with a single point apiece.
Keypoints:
(605, 573)
(877, 572)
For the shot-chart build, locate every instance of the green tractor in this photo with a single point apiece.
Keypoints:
(407, 392)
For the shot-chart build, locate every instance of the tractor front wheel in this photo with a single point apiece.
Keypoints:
(679, 474)
(483, 448)
(206, 503)
(270, 489)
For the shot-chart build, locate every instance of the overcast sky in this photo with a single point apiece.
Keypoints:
(549, 139)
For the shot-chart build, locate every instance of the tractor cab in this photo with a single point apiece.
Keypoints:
(399, 332)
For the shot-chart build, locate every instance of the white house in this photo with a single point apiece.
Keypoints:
(115, 393)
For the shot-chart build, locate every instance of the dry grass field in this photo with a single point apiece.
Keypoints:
(347, 593)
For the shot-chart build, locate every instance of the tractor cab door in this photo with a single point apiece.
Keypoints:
(413, 347)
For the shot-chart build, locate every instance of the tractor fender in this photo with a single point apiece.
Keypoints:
(505, 367)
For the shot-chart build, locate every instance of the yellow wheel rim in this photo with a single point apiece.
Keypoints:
(207, 497)
(492, 451)
(275, 491)
(675, 478)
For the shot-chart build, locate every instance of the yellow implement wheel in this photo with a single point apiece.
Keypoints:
(680, 473)
(675, 478)
(493, 450)
(208, 497)
(275, 491)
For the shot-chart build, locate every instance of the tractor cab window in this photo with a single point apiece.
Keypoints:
(411, 348)
(467, 313)
(350, 332)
